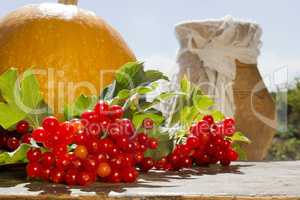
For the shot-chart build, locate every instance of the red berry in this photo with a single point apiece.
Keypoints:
(39, 135)
(123, 142)
(90, 164)
(60, 150)
(138, 156)
(114, 177)
(128, 159)
(160, 163)
(33, 170)
(103, 170)
(143, 147)
(203, 127)
(71, 177)
(3, 140)
(152, 143)
(167, 167)
(77, 125)
(45, 173)
(194, 130)
(229, 131)
(34, 155)
(50, 124)
(118, 162)
(226, 144)
(116, 112)
(89, 117)
(187, 162)
(94, 129)
(129, 175)
(225, 162)
(218, 142)
(193, 142)
(47, 159)
(101, 109)
(213, 160)
(220, 155)
(57, 175)
(22, 127)
(26, 138)
(143, 138)
(211, 149)
(106, 145)
(228, 122)
(63, 161)
(80, 139)
(174, 160)
(136, 145)
(102, 158)
(182, 150)
(217, 129)
(127, 127)
(148, 123)
(66, 128)
(209, 119)
(76, 163)
(114, 152)
(85, 178)
(93, 146)
(147, 164)
(232, 155)
(114, 130)
(204, 139)
(13, 143)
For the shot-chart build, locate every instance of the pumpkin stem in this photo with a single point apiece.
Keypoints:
(68, 2)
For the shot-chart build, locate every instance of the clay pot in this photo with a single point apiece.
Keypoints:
(209, 56)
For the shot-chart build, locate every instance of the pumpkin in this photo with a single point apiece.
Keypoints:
(72, 50)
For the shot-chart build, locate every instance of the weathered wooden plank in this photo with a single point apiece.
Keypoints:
(242, 180)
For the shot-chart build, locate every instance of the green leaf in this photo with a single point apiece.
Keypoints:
(217, 115)
(185, 85)
(167, 95)
(242, 154)
(10, 113)
(138, 119)
(202, 102)
(81, 104)
(21, 99)
(142, 90)
(154, 75)
(239, 137)
(18, 156)
(9, 85)
(30, 90)
(124, 94)
(128, 73)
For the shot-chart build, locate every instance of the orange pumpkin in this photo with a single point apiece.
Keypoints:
(73, 51)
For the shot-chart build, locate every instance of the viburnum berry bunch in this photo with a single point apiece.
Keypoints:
(100, 145)
(11, 140)
(208, 142)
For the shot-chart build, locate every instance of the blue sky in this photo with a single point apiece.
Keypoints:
(148, 26)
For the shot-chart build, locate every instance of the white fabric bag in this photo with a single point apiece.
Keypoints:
(207, 54)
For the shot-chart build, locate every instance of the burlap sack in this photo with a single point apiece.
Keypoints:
(213, 54)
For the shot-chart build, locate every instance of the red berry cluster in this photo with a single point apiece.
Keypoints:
(207, 143)
(107, 148)
(10, 140)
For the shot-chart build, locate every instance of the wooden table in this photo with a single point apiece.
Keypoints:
(242, 180)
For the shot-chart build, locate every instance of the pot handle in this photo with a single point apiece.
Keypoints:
(68, 2)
